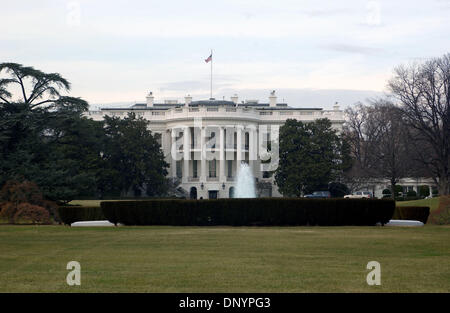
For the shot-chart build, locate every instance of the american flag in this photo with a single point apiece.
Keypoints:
(209, 58)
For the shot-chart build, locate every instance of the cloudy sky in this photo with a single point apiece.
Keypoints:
(312, 52)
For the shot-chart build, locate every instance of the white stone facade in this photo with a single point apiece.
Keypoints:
(205, 141)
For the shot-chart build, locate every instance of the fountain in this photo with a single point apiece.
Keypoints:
(245, 182)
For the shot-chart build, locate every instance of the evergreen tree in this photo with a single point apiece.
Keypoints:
(134, 157)
(311, 156)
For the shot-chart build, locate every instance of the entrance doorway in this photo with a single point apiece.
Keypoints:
(231, 192)
(212, 194)
(193, 193)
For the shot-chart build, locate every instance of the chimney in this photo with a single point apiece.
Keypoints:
(234, 98)
(150, 99)
(272, 99)
(187, 100)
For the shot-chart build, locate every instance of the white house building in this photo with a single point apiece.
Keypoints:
(205, 141)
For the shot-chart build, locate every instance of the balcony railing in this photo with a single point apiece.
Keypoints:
(193, 179)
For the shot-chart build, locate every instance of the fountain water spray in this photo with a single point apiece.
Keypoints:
(245, 183)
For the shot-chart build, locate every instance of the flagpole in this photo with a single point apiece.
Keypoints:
(211, 74)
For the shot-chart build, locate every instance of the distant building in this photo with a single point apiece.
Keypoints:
(376, 186)
(205, 141)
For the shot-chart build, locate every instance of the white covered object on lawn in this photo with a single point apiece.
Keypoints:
(91, 223)
(404, 223)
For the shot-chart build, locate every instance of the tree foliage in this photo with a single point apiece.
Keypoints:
(45, 138)
(311, 156)
(134, 156)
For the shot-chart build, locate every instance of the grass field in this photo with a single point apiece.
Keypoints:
(433, 203)
(224, 259)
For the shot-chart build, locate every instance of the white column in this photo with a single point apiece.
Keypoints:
(238, 147)
(203, 156)
(186, 152)
(222, 177)
(173, 153)
(252, 149)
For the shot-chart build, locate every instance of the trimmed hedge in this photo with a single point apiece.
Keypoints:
(259, 211)
(72, 214)
(417, 213)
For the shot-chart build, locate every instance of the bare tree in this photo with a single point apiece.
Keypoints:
(378, 141)
(423, 91)
(391, 153)
(360, 141)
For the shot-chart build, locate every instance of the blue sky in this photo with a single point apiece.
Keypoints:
(312, 52)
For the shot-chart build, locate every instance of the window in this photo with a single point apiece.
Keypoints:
(231, 192)
(158, 137)
(179, 171)
(230, 168)
(193, 193)
(211, 141)
(212, 168)
(193, 141)
(194, 169)
(212, 194)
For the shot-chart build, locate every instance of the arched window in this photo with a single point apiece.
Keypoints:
(193, 193)
(231, 192)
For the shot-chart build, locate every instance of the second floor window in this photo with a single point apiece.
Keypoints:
(194, 169)
(179, 171)
(212, 168)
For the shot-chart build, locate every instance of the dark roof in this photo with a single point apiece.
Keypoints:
(211, 103)
(161, 105)
(290, 108)
(252, 104)
(138, 105)
(260, 106)
(132, 109)
(168, 105)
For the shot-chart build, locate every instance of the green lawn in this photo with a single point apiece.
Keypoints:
(224, 259)
(433, 203)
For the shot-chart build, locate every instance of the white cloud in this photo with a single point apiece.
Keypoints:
(118, 51)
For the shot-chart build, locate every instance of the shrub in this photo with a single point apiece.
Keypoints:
(398, 189)
(29, 213)
(417, 213)
(18, 192)
(240, 212)
(441, 216)
(386, 192)
(7, 211)
(424, 191)
(411, 194)
(14, 193)
(338, 190)
(72, 214)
